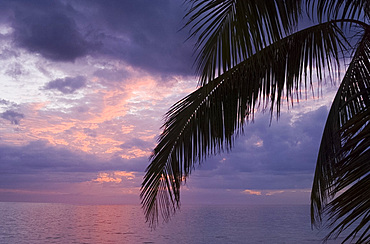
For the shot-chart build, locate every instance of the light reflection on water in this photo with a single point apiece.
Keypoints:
(61, 223)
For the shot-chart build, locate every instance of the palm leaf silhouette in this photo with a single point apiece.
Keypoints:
(344, 157)
(205, 122)
(251, 57)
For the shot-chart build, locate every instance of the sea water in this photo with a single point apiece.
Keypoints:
(63, 223)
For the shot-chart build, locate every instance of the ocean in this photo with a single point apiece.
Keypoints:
(63, 223)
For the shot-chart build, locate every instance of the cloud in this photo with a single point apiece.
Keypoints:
(39, 165)
(90, 132)
(47, 28)
(252, 192)
(42, 156)
(15, 70)
(4, 102)
(111, 74)
(144, 34)
(127, 175)
(7, 53)
(39, 171)
(114, 177)
(67, 85)
(12, 116)
(136, 142)
(270, 193)
(104, 177)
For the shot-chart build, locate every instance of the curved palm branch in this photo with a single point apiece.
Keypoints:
(343, 163)
(206, 121)
(334, 9)
(230, 31)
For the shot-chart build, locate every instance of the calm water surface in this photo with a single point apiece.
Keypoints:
(62, 223)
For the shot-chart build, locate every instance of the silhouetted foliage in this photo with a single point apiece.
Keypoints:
(251, 54)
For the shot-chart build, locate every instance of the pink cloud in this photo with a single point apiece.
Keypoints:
(252, 192)
(114, 177)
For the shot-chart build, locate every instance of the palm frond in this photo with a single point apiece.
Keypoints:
(207, 121)
(342, 9)
(230, 31)
(343, 162)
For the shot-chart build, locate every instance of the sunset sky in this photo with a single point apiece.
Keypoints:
(84, 87)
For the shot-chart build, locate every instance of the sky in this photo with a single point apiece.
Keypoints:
(84, 87)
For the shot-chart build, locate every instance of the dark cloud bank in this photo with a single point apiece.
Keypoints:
(40, 163)
(143, 33)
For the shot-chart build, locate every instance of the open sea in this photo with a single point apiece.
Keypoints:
(63, 223)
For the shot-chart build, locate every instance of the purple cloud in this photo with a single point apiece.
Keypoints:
(39, 162)
(136, 142)
(143, 33)
(4, 102)
(46, 27)
(41, 156)
(67, 85)
(12, 116)
(90, 132)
